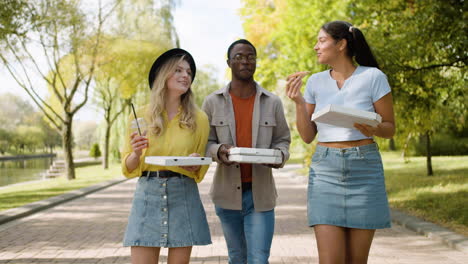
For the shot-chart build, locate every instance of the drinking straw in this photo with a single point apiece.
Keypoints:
(136, 119)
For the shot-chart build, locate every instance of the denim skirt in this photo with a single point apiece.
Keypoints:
(347, 188)
(167, 212)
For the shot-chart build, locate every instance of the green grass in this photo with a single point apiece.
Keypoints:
(18, 195)
(441, 198)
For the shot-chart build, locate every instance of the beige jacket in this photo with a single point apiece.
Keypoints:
(269, 130)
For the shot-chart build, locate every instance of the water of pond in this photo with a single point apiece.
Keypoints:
(16, 171)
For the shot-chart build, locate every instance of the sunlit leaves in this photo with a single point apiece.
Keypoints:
(285, 31)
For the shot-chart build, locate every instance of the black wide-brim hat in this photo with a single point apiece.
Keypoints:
(166, 56)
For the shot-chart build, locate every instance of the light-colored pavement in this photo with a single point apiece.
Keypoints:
(90, 229)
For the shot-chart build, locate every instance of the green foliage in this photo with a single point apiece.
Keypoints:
(14, 111)
(284, 32)
(68, 39)
(23, 128)
(150, 21)
(116, 142)
(205, 83)
(115, 154)
(27, 137)
(15, 17)
(5, 139)
(123, 68)
(51, 137)
(85, 132)
(426, 61)
(95, 152)
(121, 73)
(138, 38)
(442, 145)
(420, 45)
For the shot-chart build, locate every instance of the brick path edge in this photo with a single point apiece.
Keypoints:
(31, 208)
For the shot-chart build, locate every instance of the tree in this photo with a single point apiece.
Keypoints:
(420, 45)
(51, 137)
(5, 141)
(95, 152)
(23, 125)
(426, 63)
(150, 21)
(70, 43)
(85, 132)
(28, 137)
(138, 39)
(14, 111)
(119, 76)
(205, 83)
(284, 33)
(15, 15)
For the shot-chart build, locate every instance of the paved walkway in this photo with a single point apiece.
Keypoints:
(90, 229)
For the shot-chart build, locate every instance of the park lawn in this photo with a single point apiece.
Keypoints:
(18, 195)
(441, 198)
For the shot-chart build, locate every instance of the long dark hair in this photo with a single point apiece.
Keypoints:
(357, 44)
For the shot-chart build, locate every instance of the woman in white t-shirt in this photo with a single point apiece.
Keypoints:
(347, 199)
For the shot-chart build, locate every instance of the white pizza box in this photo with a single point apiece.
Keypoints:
(177, 160)
(255, 152)
(341, 116)
(255, 159)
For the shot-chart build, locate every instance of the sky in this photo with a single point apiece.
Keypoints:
(205, 28)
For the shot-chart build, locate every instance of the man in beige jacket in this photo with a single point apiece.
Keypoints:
(243, 114)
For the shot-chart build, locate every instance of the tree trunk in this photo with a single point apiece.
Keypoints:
(391, 144)
(105, 159)
(68, 148)
(405, 147)
(428, 154)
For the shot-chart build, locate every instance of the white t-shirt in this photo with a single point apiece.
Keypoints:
(363, 88)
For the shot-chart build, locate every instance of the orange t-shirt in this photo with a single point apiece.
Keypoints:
(243, 111)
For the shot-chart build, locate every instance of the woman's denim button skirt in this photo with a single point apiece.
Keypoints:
(347, 188)
(167, 212)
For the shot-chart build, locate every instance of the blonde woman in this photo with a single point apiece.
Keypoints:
(167, 210)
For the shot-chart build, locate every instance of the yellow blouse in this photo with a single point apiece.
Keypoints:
(174, 141)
